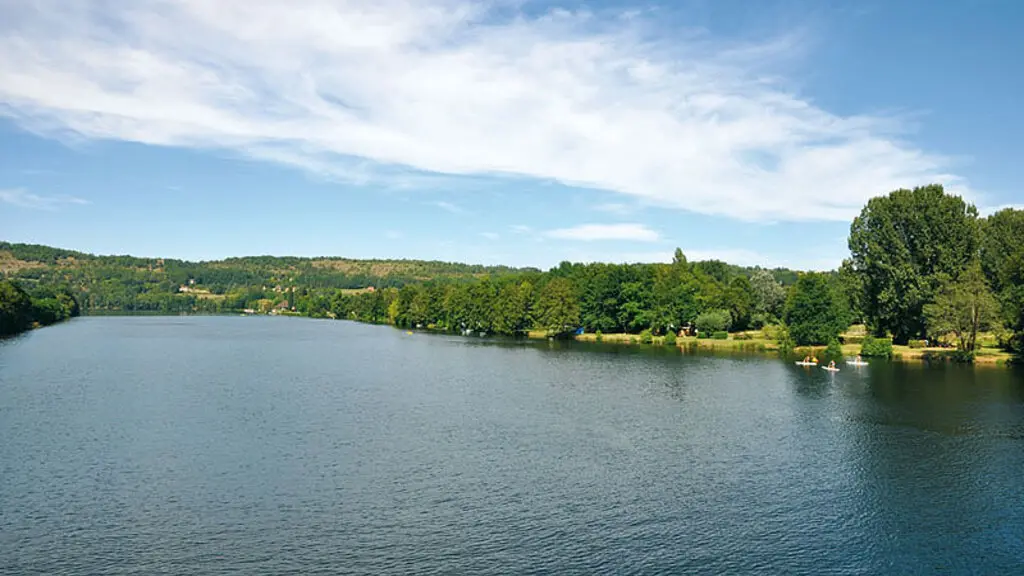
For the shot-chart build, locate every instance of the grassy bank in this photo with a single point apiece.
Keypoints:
(756, 341)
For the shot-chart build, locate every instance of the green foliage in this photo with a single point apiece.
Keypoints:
(785, 341)
(15, 309)
(834, 351)
(645, 336)
(769, 297)
(853, 339)
(963, 307)
(598, 336)
(720, 335)
(902, 246)
(742, 336)
(915, 344)
(712, 321)
(874, 347)
(558, 309)
(1002, 259)
(670, 338)
(814, 313)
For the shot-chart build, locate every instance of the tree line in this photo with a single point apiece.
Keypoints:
(20, 310)
(923, 265)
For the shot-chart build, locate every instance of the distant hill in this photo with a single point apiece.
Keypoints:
(132, 283)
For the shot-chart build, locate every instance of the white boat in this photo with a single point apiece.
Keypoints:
(830, 369)
(806, 363)
(856, 363)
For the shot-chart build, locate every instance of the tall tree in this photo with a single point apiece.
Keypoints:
(902, 245)
(769, 295)
(814, 312)
(557, 308)
(1002, 259)
(963, 307)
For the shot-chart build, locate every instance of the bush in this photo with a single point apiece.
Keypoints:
(786, 343)
(915, 344)
(598, 335)
(713, 321)
(670, 338)
(834, 351)
(645, 336)
(720, 335)
(876, 347)
(852, 339)
(703, 335)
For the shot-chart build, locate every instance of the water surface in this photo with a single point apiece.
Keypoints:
(213, 445)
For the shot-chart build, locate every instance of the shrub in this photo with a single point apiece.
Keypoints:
(720, 335)
(713, 321)
(834, 351)
(645, 336)
(670, 338)
(786, 343)
(915, 344)
(876, 347)
(704, 335)
(852, 339)
(598, 335)
(632, 339)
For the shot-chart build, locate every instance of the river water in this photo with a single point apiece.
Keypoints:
(229, 445)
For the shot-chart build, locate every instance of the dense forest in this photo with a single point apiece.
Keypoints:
(923, 266)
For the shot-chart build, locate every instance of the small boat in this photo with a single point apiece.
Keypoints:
(856, 363)
(806, 363)
(830, 369)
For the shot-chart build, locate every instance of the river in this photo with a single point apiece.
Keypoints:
(260, 445)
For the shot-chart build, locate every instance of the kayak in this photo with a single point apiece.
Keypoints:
(830, 369)
(855, 363)
(806, 363)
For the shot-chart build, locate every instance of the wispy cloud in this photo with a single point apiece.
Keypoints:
(449, 207)
(490, 235)
(593, 232)
(374, 90)
(520, 229)
(25, 199)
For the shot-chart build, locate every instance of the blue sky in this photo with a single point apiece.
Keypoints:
(502, 131)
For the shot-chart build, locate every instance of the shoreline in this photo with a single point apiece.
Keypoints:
(988, 357)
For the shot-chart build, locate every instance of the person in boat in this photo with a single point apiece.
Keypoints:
(832, 365)
(859, 361)
(814, 359)
(807, 359)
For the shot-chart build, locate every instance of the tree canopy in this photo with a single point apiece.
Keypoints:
(902, 245)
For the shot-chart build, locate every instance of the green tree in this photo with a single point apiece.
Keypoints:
(769, 295)
(15, 309)
(902, 245)
(963, 307)
(814, 315)
(712, 321)
(557, 308)
(1002, 259)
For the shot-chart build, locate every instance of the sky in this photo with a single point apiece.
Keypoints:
(511, 132)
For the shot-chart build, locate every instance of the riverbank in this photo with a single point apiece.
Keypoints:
(756, 342)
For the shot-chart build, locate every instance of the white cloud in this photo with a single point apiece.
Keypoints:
(490, 235)
(520, 229)
(591, 232)
(24, 199)
(368, 89)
